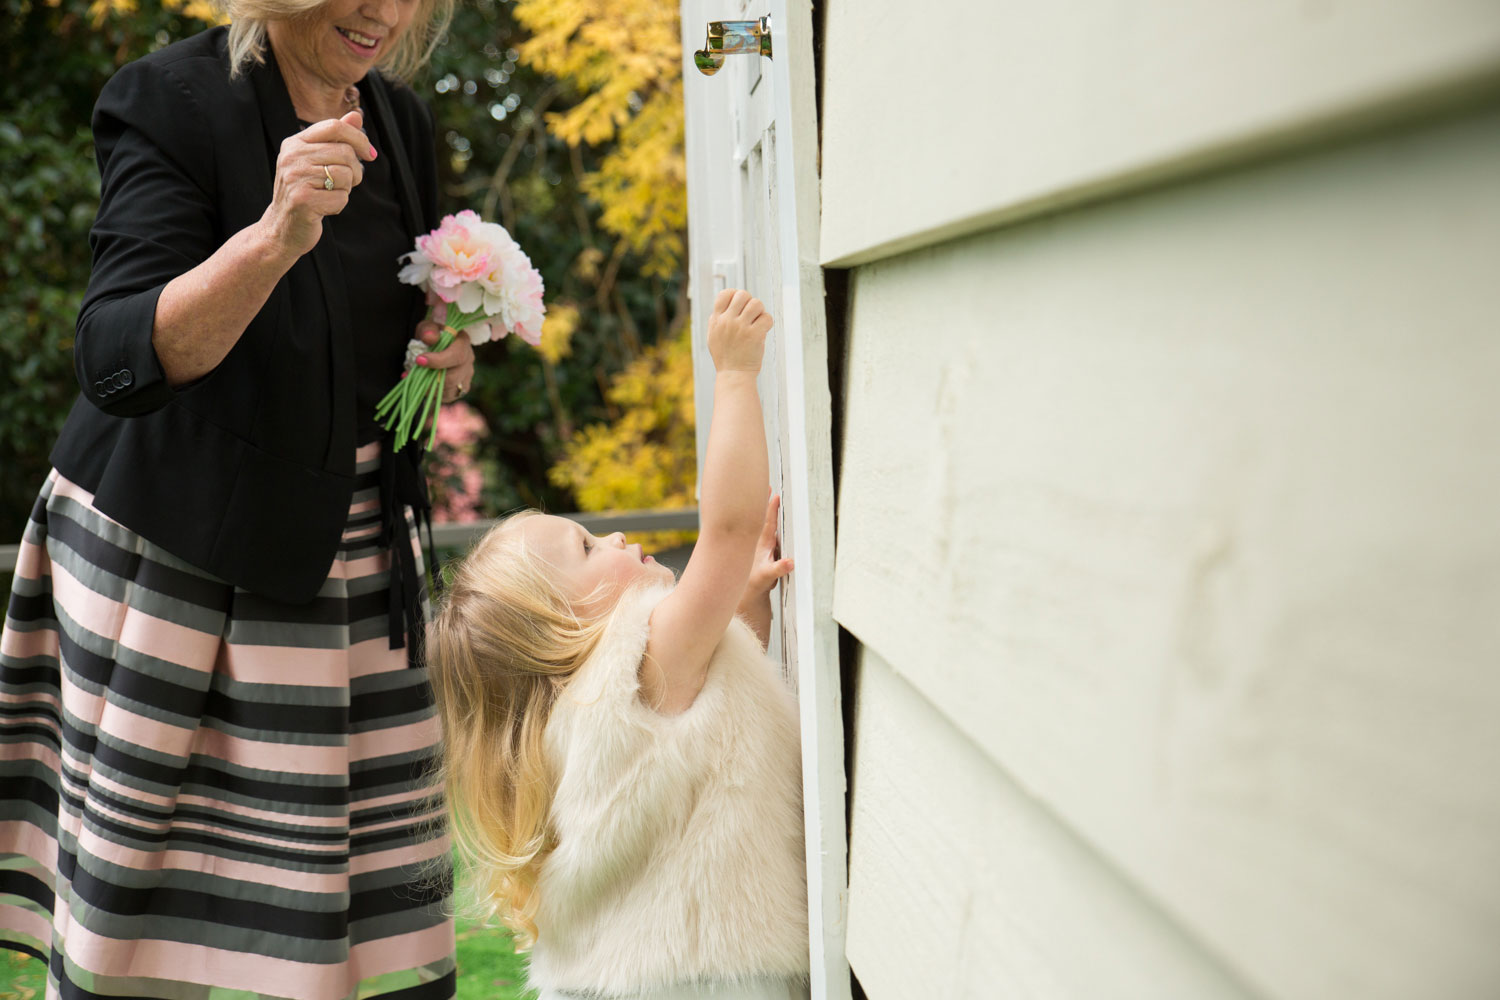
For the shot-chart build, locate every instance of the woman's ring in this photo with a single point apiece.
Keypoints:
(461, 388)
(327, 179)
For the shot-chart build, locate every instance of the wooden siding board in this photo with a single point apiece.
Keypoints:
(1183, 509)
(961, 882)
(961, 116)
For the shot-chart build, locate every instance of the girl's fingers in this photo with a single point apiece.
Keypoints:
(768, 529)
(773, 570)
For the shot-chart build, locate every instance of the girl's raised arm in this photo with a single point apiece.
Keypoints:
(689, 622)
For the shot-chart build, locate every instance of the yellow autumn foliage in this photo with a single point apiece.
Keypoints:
(648, 457)
(624, 58)
(557, 331)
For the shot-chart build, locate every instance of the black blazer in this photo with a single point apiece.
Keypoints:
(248, 472)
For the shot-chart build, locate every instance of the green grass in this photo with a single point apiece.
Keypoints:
(21, 977)
(488, 968)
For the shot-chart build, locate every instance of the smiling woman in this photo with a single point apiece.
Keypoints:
(215, 759)
(375, 33)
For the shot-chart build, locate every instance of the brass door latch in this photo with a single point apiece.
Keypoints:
(729, 38)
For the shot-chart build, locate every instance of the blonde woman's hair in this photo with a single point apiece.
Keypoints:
(501, 646)
(247, 32)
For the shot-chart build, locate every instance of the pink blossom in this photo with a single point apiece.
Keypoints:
(450, 257)
(460, 425)
(479, 266)
(456, 480)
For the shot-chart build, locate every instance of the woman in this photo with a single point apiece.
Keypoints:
(212, 747)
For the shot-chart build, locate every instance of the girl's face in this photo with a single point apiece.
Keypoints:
(593, 572)
(340, 41)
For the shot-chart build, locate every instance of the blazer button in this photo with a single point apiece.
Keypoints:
(99, 389)
(126, 377)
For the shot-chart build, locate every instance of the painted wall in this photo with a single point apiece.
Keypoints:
(1168, 533)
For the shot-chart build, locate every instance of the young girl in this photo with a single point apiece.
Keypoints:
(621, 756)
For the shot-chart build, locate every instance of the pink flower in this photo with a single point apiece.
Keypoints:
(513, 291)
(455, 478)
(490, 290)
(460, 425)
(451, 257)
(481, 270)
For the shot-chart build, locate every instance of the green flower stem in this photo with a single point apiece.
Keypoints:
(437, 401)
(411, 407)
(434, 403)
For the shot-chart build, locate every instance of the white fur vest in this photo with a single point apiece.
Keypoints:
(679, 838)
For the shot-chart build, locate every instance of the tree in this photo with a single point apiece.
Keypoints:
(623, 58)
(519, 139)
(647, 457)
(501, 110)
(54, 57)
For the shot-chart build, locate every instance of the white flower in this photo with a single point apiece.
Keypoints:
(414, 347)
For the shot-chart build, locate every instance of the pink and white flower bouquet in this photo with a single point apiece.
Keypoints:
(487, 286)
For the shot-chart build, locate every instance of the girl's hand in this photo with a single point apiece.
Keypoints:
(737, 331)
(767, 568)
(333, 150)
(457, 359)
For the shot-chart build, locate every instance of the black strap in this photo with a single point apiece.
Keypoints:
(411, 205)
(402, 486)
(401, 482)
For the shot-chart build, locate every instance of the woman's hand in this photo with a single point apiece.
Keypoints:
(334, 150)
(457, 359)
(767, 568)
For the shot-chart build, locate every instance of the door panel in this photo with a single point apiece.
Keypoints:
(752, 207)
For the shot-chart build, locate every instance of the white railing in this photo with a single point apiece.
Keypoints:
(460, 535)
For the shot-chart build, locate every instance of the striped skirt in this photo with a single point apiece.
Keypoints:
(207, 794)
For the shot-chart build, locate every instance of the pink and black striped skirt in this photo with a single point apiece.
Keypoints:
(207, 793)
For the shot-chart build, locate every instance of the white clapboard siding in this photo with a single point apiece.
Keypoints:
(961, 881)
(1186, 509)
(946, 118)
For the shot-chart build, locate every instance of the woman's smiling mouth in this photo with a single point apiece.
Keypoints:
(362, 40)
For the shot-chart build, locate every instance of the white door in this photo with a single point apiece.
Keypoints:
(753, 223)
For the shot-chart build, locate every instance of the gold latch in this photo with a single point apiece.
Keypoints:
(729, 38)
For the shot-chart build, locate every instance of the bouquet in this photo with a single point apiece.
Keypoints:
(484, 283)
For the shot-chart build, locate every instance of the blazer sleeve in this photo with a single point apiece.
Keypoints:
(157, 219)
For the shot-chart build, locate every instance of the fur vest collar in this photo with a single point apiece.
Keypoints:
(679, 838)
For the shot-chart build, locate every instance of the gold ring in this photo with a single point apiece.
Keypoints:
(461, 388)
(327, 179)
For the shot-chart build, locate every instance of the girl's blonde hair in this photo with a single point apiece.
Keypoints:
(247, 32)
(500, 648)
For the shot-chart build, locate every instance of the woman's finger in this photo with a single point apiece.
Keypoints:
(457, 383)
(345, 131)
(460, 352)
(337, 157)
(340, 175)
